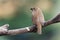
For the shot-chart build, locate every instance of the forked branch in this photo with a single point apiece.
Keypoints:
(38, 23)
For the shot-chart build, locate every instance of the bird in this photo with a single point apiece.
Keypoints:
(38, 18)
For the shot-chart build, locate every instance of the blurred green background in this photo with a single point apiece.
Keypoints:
(17, 13)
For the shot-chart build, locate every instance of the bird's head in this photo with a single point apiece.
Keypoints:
(34, 9)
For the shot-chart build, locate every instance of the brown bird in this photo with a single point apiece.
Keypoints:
(38, 19)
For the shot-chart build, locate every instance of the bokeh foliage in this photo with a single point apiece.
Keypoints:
(22, 17)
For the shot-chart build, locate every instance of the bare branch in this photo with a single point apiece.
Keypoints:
(4, 29)
(54, 20)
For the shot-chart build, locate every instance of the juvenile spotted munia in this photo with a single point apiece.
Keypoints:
(38, 19)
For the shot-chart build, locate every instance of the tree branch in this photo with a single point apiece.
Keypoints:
(4, 29)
